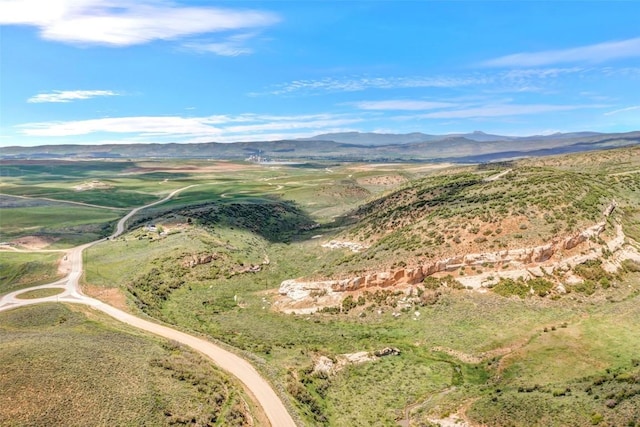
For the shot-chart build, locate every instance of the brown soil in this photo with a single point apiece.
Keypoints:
(34, 242)
(64, 266)
(93, 185)
(112, 296)
(386, 180)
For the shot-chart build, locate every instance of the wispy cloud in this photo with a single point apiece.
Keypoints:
(354, 84)
(595, 53)
(69, 95)
(622, 110)
(505, 110)
(126, 22)
(540, 73)
(405, 104)
(211, 128)
(514, 80)
(234, 45)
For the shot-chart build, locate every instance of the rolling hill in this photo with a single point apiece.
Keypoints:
(353, 146)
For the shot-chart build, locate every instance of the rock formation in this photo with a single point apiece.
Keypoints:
(519, 260)
(194, 259)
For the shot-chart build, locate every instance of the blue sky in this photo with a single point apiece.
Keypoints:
(139, 71)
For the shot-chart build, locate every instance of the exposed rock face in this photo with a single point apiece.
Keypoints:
(609, 210)
(298, 290)
(336, 244)
(387, 351)
(194, 260)
(356, 358)
(574, 241)
(323, 365)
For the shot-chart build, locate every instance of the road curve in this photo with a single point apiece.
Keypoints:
(124, 219)
(264, 394)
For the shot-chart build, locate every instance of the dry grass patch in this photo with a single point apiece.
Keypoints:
(60, 368)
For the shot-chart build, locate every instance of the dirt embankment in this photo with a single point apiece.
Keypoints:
(481, 270)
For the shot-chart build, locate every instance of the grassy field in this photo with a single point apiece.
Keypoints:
(22, 270)
(216, 253)
(68, 226)
(65, 365)
(234, 308)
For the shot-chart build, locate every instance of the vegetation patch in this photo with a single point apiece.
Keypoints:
(40, 293)
(499, 351)
(61, 368)
(85, 224)
(21, 270)
(510, 287)
(274, 221)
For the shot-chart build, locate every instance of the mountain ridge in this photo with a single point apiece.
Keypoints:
(350, 147)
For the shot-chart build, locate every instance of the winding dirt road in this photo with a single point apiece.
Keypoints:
(263, 393)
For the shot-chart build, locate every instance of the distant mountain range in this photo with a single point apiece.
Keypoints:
(370, 138)
(349, 146)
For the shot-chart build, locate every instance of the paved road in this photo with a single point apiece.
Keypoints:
(264, 394)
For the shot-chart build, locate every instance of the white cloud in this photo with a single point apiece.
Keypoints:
(622, 110)
(126, 22)
(143, 125)
(69, 95)
(273, 136)
(401, 105)
(291, 125)
(211, 128)
(595, 53)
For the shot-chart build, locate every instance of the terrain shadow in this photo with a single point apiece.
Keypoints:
(278, 221)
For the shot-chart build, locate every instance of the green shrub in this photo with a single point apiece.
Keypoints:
(592, 270)
(348, 303)
(540, 286)
(587, 287)
(431, 282)
(596, 418)
(510, 287)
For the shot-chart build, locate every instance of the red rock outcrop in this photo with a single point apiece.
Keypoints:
(413, 275)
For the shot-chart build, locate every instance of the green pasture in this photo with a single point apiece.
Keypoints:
(60, 170)
(118, 196)
(20, 270)
(69, 224)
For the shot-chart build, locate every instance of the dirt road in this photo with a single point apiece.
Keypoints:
(263, 393)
